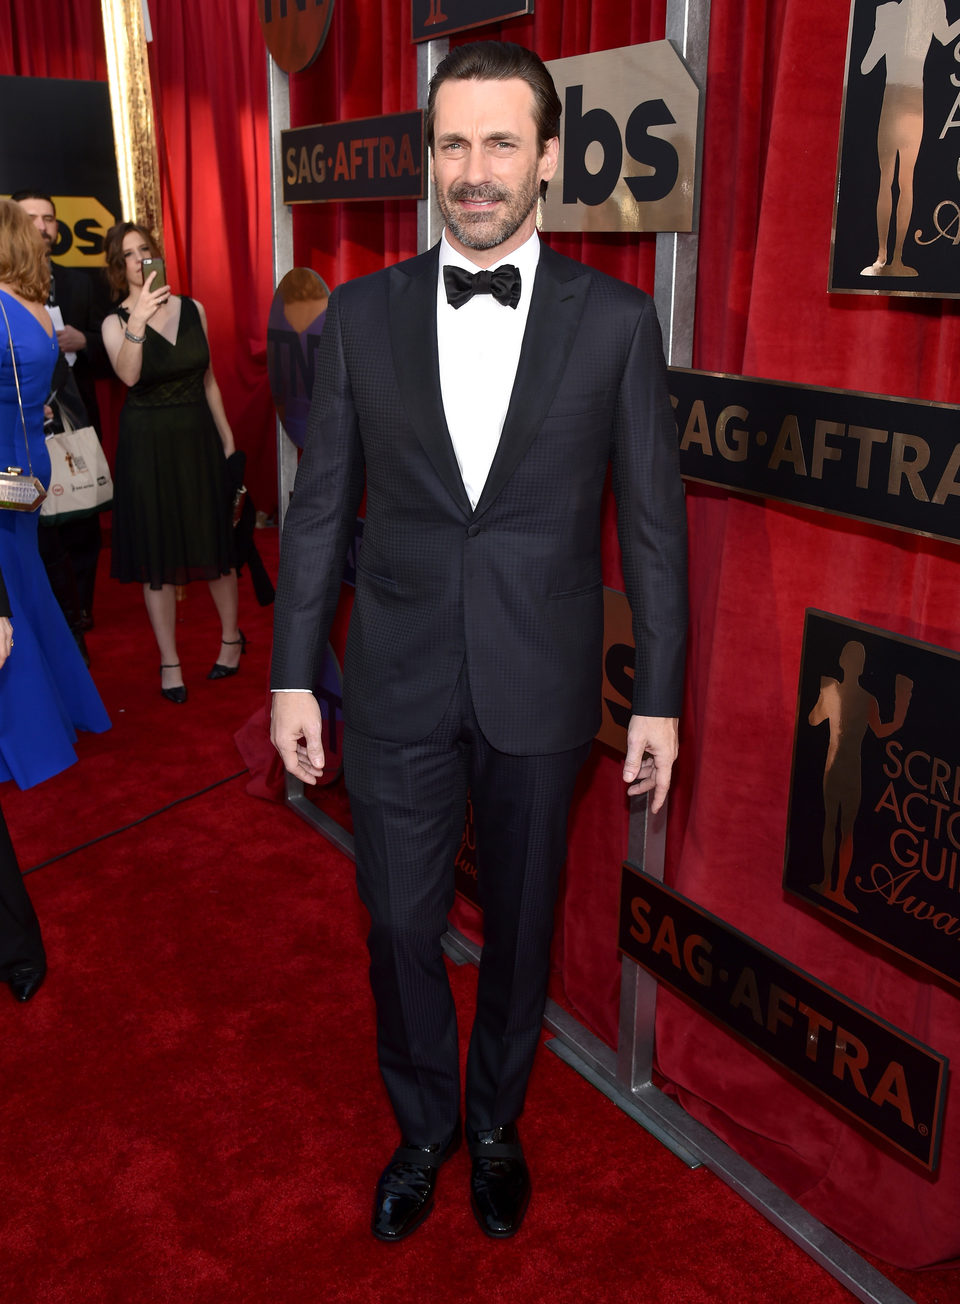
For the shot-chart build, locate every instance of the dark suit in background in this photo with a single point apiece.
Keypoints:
(71, 551)
(74, 291)
(475, 643)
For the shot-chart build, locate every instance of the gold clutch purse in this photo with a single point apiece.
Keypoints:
(19, 492)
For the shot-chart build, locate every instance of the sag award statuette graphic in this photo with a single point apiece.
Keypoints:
(897, 216)
(873, 834)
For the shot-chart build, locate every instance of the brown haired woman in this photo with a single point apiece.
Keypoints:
(171, 514)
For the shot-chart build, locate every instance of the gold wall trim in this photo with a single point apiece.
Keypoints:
(131, 107)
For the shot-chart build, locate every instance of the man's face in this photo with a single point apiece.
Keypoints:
(487, 165)
(44, 219)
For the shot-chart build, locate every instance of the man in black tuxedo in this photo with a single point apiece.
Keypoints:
(480, 391)
(71, 551)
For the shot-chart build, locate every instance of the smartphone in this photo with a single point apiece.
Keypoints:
(154, 265)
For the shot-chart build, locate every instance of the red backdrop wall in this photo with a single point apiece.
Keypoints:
(208, 74)
(772, 119)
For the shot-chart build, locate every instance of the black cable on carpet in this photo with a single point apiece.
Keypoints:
(142, 820)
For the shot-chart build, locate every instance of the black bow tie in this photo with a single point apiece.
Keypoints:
(461, 285)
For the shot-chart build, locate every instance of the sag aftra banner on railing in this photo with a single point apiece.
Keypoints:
(889, 1081)
(890, 461)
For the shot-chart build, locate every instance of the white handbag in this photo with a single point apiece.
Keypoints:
(80, 480)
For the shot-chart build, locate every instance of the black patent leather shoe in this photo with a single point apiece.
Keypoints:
(218, 670)
(405, 1190)
(25, 979)
(499, 1181)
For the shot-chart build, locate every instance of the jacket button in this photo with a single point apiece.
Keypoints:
(473, 531)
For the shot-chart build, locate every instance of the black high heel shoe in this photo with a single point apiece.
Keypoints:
(177, 694)
(24, 979)
(219, 671)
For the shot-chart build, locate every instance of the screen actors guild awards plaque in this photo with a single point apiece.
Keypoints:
(873, 832)
(897, 215)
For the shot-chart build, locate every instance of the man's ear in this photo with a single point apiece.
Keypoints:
(550, 158)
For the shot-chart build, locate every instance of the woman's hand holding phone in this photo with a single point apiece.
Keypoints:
(154, 292)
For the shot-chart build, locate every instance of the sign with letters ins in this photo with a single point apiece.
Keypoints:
(892, 461)
(369, 158)
(628, 142)
(873, 833)
(886, 1079)
(294, 30)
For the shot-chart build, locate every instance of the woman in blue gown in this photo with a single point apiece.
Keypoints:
(23, 961)
(46, 693)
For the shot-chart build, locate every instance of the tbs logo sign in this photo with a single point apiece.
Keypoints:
(628, 142)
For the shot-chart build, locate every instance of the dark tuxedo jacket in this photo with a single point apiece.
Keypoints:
(77, 300)
(514, 587)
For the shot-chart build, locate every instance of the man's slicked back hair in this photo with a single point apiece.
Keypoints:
(500, 61)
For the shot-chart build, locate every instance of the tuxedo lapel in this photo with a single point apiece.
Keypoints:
(555, 310)
(413, 336)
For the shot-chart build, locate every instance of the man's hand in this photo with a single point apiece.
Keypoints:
(71, 340)
(652, 745)
(295, 732)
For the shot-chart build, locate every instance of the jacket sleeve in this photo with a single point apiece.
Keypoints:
(651, 521)
(320, 520)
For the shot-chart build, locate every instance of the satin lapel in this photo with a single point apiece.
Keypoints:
(413, 336)
(555, 310)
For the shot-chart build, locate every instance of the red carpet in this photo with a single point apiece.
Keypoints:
(192, 1110)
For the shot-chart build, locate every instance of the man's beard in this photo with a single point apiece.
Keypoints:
(487, 230)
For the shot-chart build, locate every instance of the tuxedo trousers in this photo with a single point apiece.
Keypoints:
(20, 941)
(409, 803)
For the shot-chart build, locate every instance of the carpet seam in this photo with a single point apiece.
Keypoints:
(125, 828)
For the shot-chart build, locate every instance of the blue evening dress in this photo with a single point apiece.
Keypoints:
(46, 693)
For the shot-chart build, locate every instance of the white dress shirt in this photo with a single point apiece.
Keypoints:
(479, 347)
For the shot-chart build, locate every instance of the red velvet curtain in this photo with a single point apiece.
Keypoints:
(208, 74)
(36, 43)
(208, 70)
(772, 119)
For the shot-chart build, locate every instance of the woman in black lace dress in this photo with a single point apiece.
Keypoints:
(171, 512)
